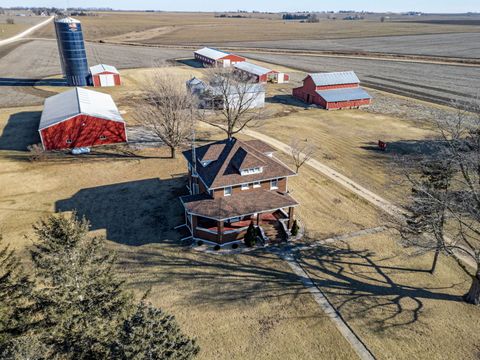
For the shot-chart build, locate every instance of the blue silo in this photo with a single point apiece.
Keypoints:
(72, 51)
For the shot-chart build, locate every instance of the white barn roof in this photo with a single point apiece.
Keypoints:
(252, 68)
(211, 53)
(101, 68)
(67, 20)
(347, 94)
(334, 78)
(78, 101)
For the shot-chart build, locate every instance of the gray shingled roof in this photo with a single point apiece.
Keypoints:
(252, 68)
(335, 78)
(346, 94)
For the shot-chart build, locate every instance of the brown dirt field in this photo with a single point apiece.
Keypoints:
(21, 23)
(393, 303)
(182, 28)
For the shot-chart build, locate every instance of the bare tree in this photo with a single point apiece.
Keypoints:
(168, 110)
(446, 194)
(301, 151)
(234, 100)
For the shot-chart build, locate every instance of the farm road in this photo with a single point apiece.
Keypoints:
(25, 33)
(383, 204)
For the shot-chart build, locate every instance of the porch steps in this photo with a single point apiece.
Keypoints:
(273, 230)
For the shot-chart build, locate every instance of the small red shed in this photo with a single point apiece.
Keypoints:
(214, 57)
(261, 74)
(80, 118)
(105, 75)
(332, 91)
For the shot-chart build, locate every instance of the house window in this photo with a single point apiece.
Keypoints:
(103, 137)
(69, 141)
(227, 191)
(274, 184)
(256, 184)
(245, 186)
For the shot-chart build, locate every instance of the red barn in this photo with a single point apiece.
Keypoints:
(214, 57)
(337, 90)
(260, 74)
(80, 118)
(105, 75)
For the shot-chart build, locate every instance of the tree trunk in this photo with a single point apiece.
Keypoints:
(173, 152)
(473, 295)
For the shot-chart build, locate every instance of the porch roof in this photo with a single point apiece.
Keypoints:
(244, 203)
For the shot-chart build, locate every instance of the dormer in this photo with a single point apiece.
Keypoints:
(211, 154)
(247, 163)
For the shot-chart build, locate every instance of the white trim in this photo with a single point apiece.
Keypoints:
(271, 184)
(257, 184)
(241, 215)
(245, 186)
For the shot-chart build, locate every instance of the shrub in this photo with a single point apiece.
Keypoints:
(216, 247)
(234, 246)
(36, 152)
(295, 228)
(251, 235)
(10, 21)
(200, 242)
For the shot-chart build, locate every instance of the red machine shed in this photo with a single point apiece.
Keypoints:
(80, 118)
(214, 57)
(261, 74)
(332, 91)
(105, 75)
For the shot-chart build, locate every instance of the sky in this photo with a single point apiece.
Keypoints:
(436, 6)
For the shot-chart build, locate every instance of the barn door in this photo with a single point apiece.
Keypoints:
(107, 80)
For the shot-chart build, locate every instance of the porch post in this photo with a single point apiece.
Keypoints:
(258, 219)
(290, 216)
(220, 231)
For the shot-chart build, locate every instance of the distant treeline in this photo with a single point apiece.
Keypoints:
(296, 16)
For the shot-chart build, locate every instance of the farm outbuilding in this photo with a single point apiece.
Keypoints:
(332, 91)
(213, 57)
(261, 74)
(105, 75)
(80, 118)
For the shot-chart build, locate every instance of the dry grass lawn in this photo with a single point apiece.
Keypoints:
(196, 28)
(393, 303)
(238, 307)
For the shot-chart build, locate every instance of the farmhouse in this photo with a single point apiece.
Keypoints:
(213, 57)
(80, 118)
(215, 96)
(104, 75)
(337, 90)
(233, 183)
(260, 74)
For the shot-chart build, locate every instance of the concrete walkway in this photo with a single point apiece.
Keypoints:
(25, 33)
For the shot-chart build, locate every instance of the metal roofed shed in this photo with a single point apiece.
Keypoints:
(335, 78)
(261, 74)
(213, 57)
(347, 94)
(80, 118)
(104, 75)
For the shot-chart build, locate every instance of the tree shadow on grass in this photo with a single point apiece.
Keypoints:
(20, 131)
(360, 286)
(132, 213)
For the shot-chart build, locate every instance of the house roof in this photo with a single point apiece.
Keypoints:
(261, 146)
(101, 68)
(210, 153)
(224, 171)
(252, 68)
(212, 53)
(334, 78)
(345, 94)
(76, 101)
(249, 202)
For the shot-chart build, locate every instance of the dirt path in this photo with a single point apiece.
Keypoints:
(25, 33)
(383, 204)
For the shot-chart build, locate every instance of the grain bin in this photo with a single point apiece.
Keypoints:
(72, 51)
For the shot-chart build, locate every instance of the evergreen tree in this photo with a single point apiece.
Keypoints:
(15, 291)
(295, 228)
(151, 334)
(81, 302)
